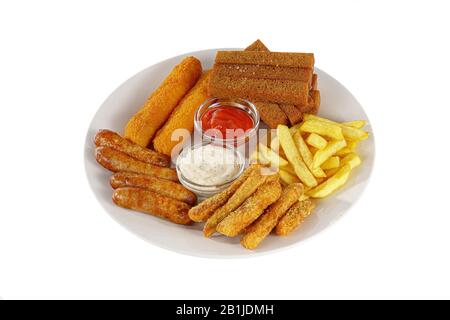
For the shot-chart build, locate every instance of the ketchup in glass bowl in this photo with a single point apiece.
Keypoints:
(226, 120)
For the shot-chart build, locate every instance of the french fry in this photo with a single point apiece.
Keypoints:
(331, 172)
(358, 124)
(306, 154)
(331, 163)
(350, 148)
(316, 141)
(351, 159)
(332, 184)
(330, 150)
(290, 169)
(274, 159)
(288, 178)
(327, 129)
(293, 155)
(349, 133)
(303, 197)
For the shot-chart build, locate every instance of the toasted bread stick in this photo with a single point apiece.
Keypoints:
(292, 112)
(182, 117)
(314, 84)
(294, 217)
(162, 186)
(108, 138)
(115, 161)
(250, 210)
(282, 59)
(206, 208)
(142, 127)
(263, 72)
(152, 203)
(262, 227)
(313, 103)
(258, 45)
(249, 186)
(278, 91)
(270, 113)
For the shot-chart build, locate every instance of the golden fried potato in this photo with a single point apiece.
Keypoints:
(322, 155)
(349, 133)
(358, 124)
(287, 178)
(316, 141)
(331, 163)
(332, 184)
(351, 159)
(293, 155)
(306, 154)
(323, 128)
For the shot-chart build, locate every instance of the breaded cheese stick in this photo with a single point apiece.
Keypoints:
(142, 127)
(250, 185)
(277, 91)
(294, 217)
(263, 72)
(205, 209)
(292, 112)
(116, 161)
(281, 59)
(152, 203)
(182, 117)
(108, 138)
(162, 186)
(250, 210)
(258, 45)
(262, 227)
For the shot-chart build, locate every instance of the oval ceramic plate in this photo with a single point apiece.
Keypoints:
(337, 104)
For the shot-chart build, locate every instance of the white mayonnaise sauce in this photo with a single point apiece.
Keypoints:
(209, 165)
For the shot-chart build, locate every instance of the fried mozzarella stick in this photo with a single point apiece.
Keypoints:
(205, 209)
(279, 59)
(250, 185)
(116, 161)
(182, 117)
(162, 186)
(250, 210)
(142, 127)
(108, 138)
(152, 203)
(294, 217)
(278, 91)
(262, 227)
(263, 72)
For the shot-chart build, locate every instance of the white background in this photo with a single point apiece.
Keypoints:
(60, 60)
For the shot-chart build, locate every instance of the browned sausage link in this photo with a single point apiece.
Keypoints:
(115, 161)
(152, 203)
(164, 187)
(108, 138)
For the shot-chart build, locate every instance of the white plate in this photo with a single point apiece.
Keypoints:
(337, 104)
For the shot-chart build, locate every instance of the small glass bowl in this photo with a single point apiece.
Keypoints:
(242, 104)
(204, 191)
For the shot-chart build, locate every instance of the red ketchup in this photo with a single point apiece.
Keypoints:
(231, 122)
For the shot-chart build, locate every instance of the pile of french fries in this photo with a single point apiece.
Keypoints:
(317, 152)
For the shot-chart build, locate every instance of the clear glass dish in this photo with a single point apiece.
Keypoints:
(207, 190)
(242, 104)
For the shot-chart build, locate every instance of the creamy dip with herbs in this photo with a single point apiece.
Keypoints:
(209, 165)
